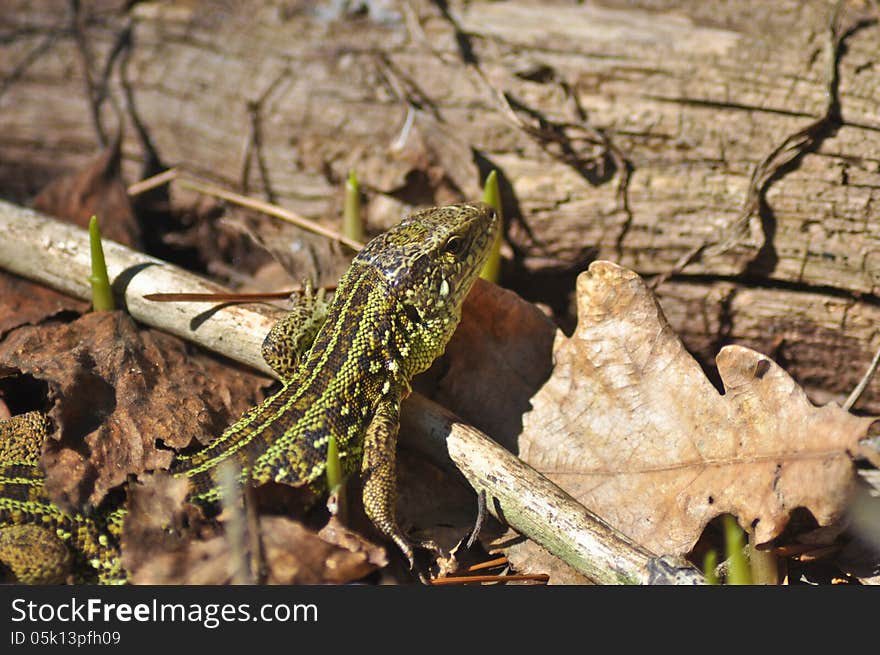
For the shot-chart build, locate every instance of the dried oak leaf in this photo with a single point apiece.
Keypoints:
(118, 391)
(632, 428)
(25, 303)
(96, 189)
(164, 541)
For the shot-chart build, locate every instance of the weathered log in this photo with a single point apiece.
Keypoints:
(622, 130)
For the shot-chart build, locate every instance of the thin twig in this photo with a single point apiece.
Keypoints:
(172, 174)
(218, 297)
(93, 94)
(270, 209)
(541, 578)
(489, 564)
(253, 148)
(150, 183)
(45, 44)
(863, 383)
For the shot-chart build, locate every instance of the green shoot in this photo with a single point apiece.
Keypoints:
(102, 295)
(335, 482)
(492, 196)
(334, 467)
(352, 224)
(738, 571)
(710, 562)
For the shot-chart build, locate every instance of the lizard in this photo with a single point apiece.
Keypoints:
(344, 367)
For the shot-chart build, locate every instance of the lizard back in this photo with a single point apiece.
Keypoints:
(285, 438)
(391, 316)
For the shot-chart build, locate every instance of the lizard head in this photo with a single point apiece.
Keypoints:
(429, 262)
(432, 257)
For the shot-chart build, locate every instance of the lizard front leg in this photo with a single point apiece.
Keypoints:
(292, 336)
(379, 474)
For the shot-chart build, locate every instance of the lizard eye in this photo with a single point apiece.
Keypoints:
(453, 245)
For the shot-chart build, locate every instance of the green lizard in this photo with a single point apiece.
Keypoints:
(344, 370)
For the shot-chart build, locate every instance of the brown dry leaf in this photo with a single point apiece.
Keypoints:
(296, 555)
(118, 392)
(432, 504)
(630, 426)
(25, 303)
(96, 189)
(165, 542)
(293, 555)
(159, 534)
(157, 521)
(341, 535)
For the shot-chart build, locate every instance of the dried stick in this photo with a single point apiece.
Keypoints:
(863, 383)
(268, 208)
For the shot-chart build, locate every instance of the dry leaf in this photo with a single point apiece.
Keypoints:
(340, 535)
(96, 189)
(156, 522)
(296, 555)
(431, 503)
(24, 303)
(629, 424)
(119, 392)
(157, 548)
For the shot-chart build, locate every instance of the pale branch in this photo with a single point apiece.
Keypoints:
(57, 254)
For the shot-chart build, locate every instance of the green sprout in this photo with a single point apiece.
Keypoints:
(352, 224)
(334, 468)
(102, 295)
(762, 563)
(710, 562)
(335, 481)
(492, 196)
(738, 571)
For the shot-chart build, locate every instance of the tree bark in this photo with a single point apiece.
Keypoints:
(621, 130)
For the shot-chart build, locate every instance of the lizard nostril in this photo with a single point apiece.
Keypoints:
(412, 313)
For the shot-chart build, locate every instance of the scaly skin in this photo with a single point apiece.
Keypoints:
(392, 314)
(39, 542)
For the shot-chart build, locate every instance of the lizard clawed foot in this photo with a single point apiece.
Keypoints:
(409, 548)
